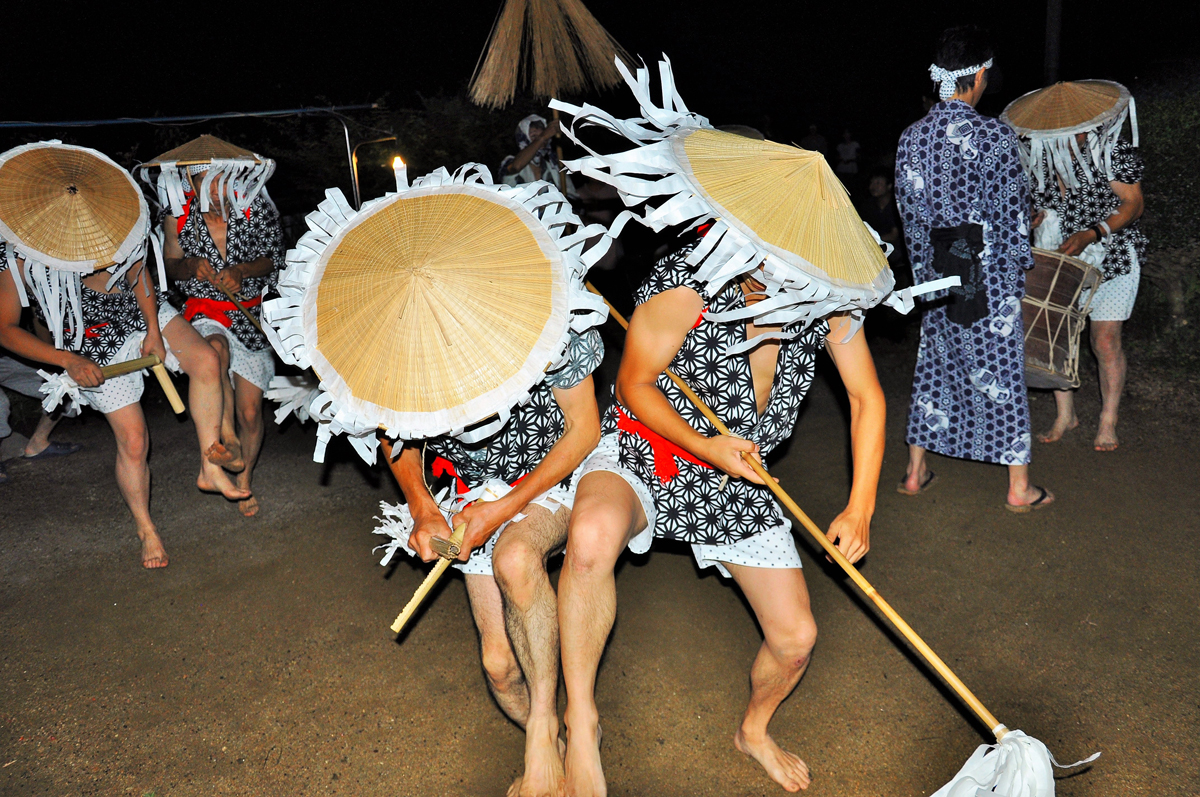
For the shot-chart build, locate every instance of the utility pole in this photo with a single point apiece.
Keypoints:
(1053, 37)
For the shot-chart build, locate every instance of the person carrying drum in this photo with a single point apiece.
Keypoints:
(964, 201)
(1089, 197)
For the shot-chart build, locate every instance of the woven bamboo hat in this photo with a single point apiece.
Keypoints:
(70, 208)
(772, 207)
(240, 175)
(785, 197)
(1067, 107)
(204, 149)
(438, 307)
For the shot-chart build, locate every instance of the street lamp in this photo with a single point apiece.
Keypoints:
(354, 165)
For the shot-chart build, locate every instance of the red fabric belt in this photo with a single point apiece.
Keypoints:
(665, 452)
(442, 466)
(91, 332)
(216, 309)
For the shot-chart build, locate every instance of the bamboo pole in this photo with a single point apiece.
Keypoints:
(447, 553)
(903, 627)
(152, 362)
(241, 307)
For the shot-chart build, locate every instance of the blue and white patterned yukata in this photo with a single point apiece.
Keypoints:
(955, 168)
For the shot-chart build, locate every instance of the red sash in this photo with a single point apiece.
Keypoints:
(665, 467)
(442, 466)
(216, 309)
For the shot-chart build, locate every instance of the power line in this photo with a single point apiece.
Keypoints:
(170, 120)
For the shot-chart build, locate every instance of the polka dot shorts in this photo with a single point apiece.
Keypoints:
(1115, 297)
(256, 367)
(121, 391)
(773, 548)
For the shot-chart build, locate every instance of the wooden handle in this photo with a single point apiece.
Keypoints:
(168, 387)
(904, 628)
(415, 601)
(241, 307)
(129, 366)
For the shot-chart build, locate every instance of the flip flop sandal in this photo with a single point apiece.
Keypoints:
(930, 480)
(1040, 503)
(56, 450)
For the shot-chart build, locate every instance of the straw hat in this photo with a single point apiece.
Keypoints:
(1066, 108)
(435, 308)
(67, 211)
(1049, 119)
(69, 207)
(204, 149)
(241, 175)
(772, 206)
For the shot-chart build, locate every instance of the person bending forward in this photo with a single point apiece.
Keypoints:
(122, 324)
(508, 541)
(205, 252)
(661, 470)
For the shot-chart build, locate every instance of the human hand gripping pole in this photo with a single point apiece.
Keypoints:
(152, 362)
(998, 729)
(448, 550)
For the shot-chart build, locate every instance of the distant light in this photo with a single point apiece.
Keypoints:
(397, 162)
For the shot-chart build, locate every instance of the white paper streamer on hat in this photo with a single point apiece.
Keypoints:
(651, 171)
(289, 331)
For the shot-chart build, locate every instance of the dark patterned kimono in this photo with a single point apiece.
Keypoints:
(249, 237)
(964, 200)
(692, 505)
(1094, 201)
(531, 431)
(108, 319)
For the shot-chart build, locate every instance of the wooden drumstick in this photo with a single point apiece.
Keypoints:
(164, 379)
(152, 362)
(436, 573)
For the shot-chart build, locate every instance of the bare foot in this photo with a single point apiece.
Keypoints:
(785, 768)
(582, 770)
(218, 454)
(1106, 437)
(543, 765)
(1059, 428)
(154, 555)
(248, 506)
(214, 480)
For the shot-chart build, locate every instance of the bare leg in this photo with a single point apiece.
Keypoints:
(1065, 421)
(1020, 491)
(228, 454)
(914, 476)
(500, 667)
(1110, 355)
(133, 478)
(531, 619)
(40, 438)
(606, 515)
(779, 598)
(202, 365)
(249, 415)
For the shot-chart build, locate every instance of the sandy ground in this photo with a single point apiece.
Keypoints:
(260, 661)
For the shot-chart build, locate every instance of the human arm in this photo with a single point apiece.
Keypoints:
(231, 278)
(178, 265)
(913, 206)
(581, 432)
(851, 530)
(526, 155)
(264, 253)
(1129, 211)
(656, 332)
(17, 340)
(428, 521)
(138, 278)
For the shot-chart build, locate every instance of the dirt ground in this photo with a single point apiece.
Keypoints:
(260, 661)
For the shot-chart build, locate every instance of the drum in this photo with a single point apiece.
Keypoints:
(1054, 312)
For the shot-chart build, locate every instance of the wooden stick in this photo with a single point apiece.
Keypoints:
(241, 307)
(438, 570)
(164, 380)
(904, 628)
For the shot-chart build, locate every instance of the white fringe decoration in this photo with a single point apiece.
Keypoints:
(289, 321)
(1051, 155)
(651, 170)
(240, 182)
(58, 284)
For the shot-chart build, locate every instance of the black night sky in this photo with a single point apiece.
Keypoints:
(774, 65)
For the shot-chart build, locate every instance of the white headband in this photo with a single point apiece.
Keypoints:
(196, 168)
(946, 79)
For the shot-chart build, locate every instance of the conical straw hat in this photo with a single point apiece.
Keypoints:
(204, 149)
(1066, 107)
(786, 197)
(70, 207)
(436, 308)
